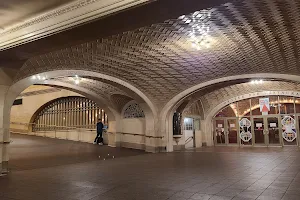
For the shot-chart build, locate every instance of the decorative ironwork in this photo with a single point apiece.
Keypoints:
(289, 129)
(133, 111)
(68, 112)
(245, 134)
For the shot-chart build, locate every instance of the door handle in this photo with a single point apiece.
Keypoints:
(266, 132)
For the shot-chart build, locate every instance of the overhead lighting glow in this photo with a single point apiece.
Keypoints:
(38, 77)
(199, 28)
(77, 79)
(257, 82)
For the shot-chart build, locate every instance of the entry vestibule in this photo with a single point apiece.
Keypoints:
(242, 124)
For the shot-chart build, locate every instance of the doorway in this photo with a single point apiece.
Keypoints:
(266, 131)
(189, 133)
(226, 131)
(245, 123)
(270, 130)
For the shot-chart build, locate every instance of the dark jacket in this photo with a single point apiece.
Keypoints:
(99, 127)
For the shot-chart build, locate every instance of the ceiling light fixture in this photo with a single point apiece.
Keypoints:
(38, 77)
(198, 23)
(257, 82)
(77, 79)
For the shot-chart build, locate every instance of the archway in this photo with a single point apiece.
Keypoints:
(176, 101)
(53, 79)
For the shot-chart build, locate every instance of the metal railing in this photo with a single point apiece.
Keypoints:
(55, 129)
(78, 129)
(189, 139)
(58, 128)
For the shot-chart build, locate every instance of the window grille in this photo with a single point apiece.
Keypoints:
(188, 124)
(69, 113)
(133, 111)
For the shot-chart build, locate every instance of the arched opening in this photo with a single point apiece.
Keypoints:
(269, 120)
(66, 118)
(66, 113)
(110, 95)
(58, 113)
(210, 95)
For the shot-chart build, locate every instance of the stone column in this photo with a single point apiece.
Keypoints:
(114, 132)
(4, 129)
(153, 142)
(207, 132)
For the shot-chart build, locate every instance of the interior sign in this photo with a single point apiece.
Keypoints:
(264, 104)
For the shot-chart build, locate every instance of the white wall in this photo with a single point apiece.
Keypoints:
(23, 113)
(188, 134)
(133, 126)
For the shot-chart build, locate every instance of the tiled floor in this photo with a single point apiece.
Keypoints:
(209, 173)
(31, 152)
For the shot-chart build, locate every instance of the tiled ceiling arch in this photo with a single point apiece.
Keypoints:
(253, 36)
(103, 90)
(211, 99)
(120, 101)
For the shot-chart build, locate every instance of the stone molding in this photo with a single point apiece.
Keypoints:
(250, 95)
(62, 18)
(38, 92)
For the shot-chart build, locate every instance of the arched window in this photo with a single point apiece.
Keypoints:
(68, 113)
(133, 110)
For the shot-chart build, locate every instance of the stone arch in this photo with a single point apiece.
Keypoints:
(114, 127)
(22, 84)
(208, 120)
(25, 82)
(192, 105)
(175, 102)
(111, 111)
(120, 101)
(250, 95)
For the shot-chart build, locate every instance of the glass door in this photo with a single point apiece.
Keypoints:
(219, 132)
(226, 131)
(232, 133)
(259, 131)
(273, 131)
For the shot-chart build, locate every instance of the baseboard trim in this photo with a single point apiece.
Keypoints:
(179, 147)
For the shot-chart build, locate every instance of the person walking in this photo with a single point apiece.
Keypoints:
(99, 139)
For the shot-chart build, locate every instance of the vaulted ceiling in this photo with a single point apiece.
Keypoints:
(155, 54)
(129, 19)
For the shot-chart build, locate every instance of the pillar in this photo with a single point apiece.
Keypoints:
(166, 127)
(4, 129)
(207, 132)
(114, 132)
(153, 138)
